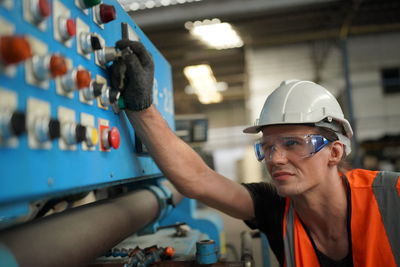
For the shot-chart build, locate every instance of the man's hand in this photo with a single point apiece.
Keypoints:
(133, 75)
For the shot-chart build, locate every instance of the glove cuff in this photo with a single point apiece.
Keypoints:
(139, 106)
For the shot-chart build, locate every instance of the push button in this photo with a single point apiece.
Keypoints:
(83, 79)
(58, 66)
(46, 129)
(40, 10)
(76, 80)
(110, 138)
(91, 137)
(14, 49)
(47, 66)
(12, 123)
(66, 28)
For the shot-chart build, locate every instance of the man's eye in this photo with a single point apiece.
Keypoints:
(291, 143)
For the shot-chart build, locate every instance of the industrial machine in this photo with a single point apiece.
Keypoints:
(65, 142)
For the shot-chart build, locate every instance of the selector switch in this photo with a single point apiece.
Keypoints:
(66, 28)
(89, 42)
(110, 138)
(93, 91)
(14, 49)
(105, 13)
(46, 67)
(109, 96)
(76, 80)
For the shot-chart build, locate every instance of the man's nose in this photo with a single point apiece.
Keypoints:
(278, 156)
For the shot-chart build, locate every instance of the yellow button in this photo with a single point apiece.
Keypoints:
(95, 136)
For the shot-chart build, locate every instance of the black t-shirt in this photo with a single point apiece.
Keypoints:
(269, 210)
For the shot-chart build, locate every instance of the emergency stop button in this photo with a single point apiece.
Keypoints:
(110, 138)
(14, 49)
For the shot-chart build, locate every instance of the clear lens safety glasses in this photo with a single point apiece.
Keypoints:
(300, 146)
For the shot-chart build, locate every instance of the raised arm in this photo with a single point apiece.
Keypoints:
(178, 161)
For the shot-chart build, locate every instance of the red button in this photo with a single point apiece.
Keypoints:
(14, 49)
(44, 8)
(58, 65)
(83, 79)
(114, 138)
(107, 13)
(71, 27)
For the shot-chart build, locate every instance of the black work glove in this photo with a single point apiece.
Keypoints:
(133, 74)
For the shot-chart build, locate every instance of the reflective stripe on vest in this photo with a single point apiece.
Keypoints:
(375, 223)
(386, 188)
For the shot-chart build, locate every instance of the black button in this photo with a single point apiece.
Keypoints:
(80, 132)
(18, 120)
(54, 129)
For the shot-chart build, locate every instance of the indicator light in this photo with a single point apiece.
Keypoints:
(106, 13)
(90, 3)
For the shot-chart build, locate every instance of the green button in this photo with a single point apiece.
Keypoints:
(91, 3)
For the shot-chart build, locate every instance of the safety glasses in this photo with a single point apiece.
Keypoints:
(300, 146)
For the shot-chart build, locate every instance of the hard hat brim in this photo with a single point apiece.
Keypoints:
(252, 129)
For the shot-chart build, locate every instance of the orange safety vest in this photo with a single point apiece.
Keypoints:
(375, 223)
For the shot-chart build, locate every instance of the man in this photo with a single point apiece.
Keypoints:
(313, 213)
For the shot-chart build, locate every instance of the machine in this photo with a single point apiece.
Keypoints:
(75, 181)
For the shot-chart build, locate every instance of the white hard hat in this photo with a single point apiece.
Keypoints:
(298, 102)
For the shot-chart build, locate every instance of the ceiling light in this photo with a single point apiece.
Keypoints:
(134, 5)
(203, 82)
(219, 35)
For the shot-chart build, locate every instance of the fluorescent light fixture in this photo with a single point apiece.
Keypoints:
(135, 5)
(203, 82)
(217, 34)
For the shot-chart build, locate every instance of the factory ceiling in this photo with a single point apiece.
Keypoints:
(260, 23)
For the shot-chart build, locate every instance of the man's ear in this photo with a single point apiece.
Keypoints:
(337, 152)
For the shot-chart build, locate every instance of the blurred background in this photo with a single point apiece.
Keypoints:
(228, 55)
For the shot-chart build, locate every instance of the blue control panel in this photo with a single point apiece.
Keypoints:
(61, 130)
